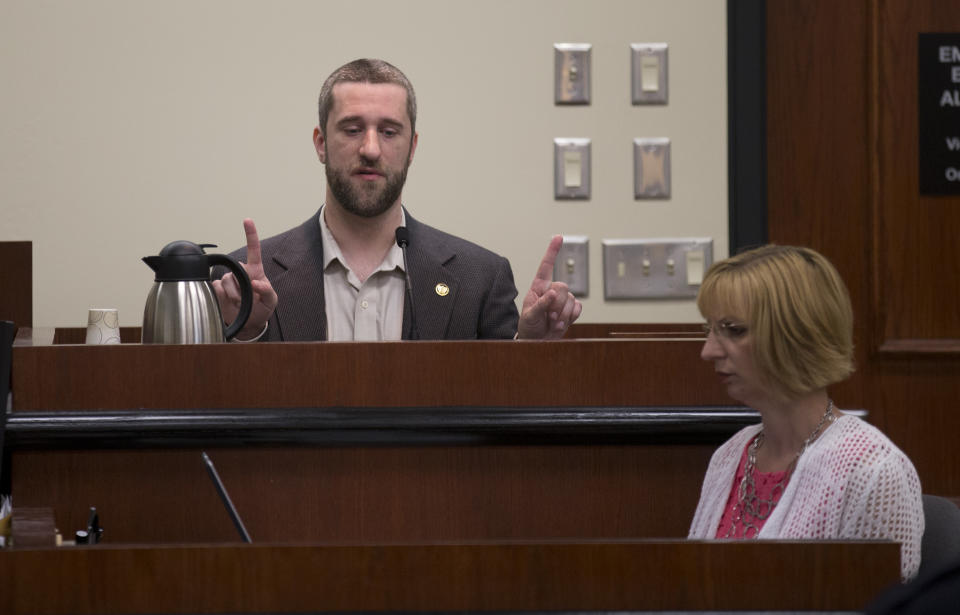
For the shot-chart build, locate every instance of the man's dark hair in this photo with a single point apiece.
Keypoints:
(366, 71)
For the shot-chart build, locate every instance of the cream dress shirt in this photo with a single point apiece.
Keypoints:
(367, 311)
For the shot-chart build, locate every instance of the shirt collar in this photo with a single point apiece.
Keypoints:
(331, 249)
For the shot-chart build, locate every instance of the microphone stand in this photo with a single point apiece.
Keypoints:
(402, 240)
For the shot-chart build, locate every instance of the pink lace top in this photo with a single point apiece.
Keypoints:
(766, 483)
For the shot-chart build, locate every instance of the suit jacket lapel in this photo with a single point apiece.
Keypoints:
(435, 288)
(296, 272)
(298, 263)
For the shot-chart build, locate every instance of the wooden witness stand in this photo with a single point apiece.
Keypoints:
(392, 476)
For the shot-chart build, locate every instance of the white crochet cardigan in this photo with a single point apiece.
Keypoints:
(852, 482)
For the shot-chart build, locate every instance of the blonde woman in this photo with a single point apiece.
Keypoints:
(779, 332)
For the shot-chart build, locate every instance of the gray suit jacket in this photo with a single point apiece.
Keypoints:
(480, 304)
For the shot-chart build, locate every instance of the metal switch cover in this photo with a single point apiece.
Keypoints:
(648, 66)
(571, 73)
(571, 168)
(572, 265)
(655, 268)
(651, 168)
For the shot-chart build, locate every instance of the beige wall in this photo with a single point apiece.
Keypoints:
(128, 124)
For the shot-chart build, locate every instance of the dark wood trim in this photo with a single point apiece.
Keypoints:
(875, 315)
(578, 330)
(374, 426)
(927, 347)
(16, 282)
(747, 118)
(619, 330)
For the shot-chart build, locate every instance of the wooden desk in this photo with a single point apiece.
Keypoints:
(556, 576)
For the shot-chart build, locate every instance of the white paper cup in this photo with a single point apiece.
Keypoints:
(103, 326)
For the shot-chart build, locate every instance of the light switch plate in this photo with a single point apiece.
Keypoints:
(648, 67)
(572, 265)
(571, 73)
(655, 268)
(651, 168)
(571, 168)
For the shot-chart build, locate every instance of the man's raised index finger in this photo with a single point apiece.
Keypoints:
(253, 242)
(545, 272)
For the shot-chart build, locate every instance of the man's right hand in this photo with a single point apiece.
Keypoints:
(264, 297)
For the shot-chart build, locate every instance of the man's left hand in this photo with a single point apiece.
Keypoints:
(548, 307)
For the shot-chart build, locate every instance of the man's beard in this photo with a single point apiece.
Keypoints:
(367, 201)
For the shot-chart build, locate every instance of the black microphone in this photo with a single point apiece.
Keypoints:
(225, 498)
(403, 238)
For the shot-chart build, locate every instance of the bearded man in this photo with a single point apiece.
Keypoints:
(341, 275)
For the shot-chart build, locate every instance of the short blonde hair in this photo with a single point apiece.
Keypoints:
(797, 310)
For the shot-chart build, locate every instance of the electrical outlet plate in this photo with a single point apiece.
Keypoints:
(571, 73)
(572, 265)
(571, 168)
(655, 268)
(648, 66)
(651, 168)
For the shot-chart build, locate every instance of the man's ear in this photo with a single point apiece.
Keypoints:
(413, 147)
(320, 144)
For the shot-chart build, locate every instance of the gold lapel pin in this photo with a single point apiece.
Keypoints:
(442, 289)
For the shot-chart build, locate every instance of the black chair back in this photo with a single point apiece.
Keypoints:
(941, 537)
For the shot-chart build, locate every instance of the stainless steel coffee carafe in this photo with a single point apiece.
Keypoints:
(182, 307)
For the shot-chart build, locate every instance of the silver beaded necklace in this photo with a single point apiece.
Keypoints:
(750, 507)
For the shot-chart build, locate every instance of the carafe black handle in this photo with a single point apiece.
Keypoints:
(246, 292)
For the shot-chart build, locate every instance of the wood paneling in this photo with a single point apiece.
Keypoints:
(816, 129)
(843, 179)
(918, 400)
(531, 577)
(277, 375)
(915, 257)
(388, 494)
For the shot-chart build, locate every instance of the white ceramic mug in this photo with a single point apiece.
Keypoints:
(103, 326)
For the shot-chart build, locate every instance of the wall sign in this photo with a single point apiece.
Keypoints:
(938, 111)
